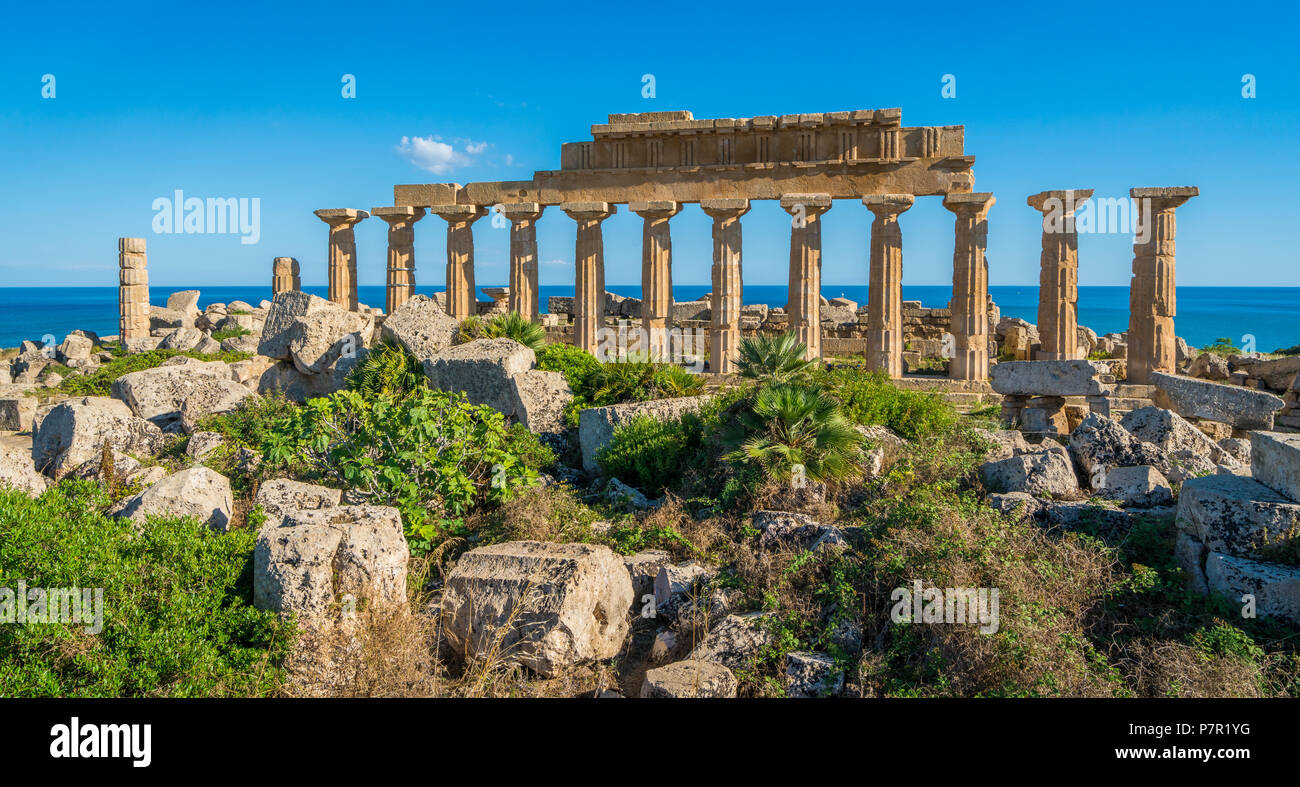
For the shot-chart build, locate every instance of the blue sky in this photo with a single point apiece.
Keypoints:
(247, 103)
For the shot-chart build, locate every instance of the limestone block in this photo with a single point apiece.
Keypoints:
(1190, 556)
(1049, 378)
(810, 675)
(1276, 588)
(484, 370)
(642, 568)
(785, 530)
(280, 497)
(74, 431)
(734, 642)
(1099, 443)
(1137, 487)
(1046, 472)
(1170, 432)
(1275, 461)
(1242, 407)
(198, 492)
(674, 584)
(18, 472)
(17, 412)
(158, 394)
(201, 444)
(422, 326)
(549, 606)
(1236, 515)
(690, 678)
(539, 400)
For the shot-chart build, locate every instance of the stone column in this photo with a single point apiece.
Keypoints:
(1151, 343)
(805, 296)
(132, 291)
(728, 282)
(656, 274)
(522, 295)
(1058, 282)
(885, 284)
(342, 254)
(462, 301)
(285, 276)
(401, 253)
(970, 286)
(589, 261)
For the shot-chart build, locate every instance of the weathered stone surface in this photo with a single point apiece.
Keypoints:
(1275, 461)
(784, 529)
(674, 584)
(17, 471)
(17, 412)
(182, 339)
(312, 332)
(1137, 487)
(203, 443)
(318, 563)
(1236, 515)
(1184, 465)
(812, 675)
(642, 568)
(621, 495)
(421, 326)
(539, 400)
(158, 394)
(1085, 514)
(483, 370)
(735, 641)
(1170, 432)
(1021, 504)
(198, 492)
(185, 302)
(280, 497)
(1099, 443)
(1049, 378)
(548, 605)
(73, 432)
(1005, 443)
(75, 349)
(1209, 366)
(596, 425)
(1238, 448)
(690, 679)
(245, 343)
(1244, 408)
(1190, 556)
(1042, 473)
(1276, 588)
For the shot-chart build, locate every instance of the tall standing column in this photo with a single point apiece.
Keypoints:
(970, 286)
(885, 284)
(462, 302)
(401, 253)
(805, 290)
(285, 276)
(132, 291)
(1152, 303)
(589, 262)
(522, 295)
(1058, 282)
(342, 254)
(728, 282)
(656, 274)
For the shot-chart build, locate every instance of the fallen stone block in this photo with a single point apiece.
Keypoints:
(1049, 378)
(809, 675)
(1137, 487)
(198, 492)
(1275, 588)
(1042, 473)
(1237, 515)
(1244, 408)
(689, 679)
(1275, 461)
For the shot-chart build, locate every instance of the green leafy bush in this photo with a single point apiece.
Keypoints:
(178, 619)
(432, 455)
(597, 384)
(649, 453)
(387, 370)
(230, 333)
(870, 398)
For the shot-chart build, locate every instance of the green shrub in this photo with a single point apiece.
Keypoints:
(650, 454)
(513, 326)
(230, 333)
(869, 398)
(1222, 346)
(596, 384)
(100, 381)
(387, 370)
(178, 619)
(432, 455)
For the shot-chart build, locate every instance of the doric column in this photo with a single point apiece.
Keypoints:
(522, 297)
(343, 254)
(285, 276)
(589, 261)
(401, 253)
(885, 284)
(462, 301)
(804, 306)
(1058, 281)
(1151, 343)
(656, 273)
(132, 291)
(728, 282)
(970, 286)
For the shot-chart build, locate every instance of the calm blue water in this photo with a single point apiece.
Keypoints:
(1270, 314)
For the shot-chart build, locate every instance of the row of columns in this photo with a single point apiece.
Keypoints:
(1151, 342)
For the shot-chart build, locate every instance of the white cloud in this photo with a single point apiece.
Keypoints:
(436, 156)
(559, 263)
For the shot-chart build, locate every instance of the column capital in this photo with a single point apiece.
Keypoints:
(336, 217)
(975, 203)
(458, 213)
(131, 245)
(1165, 198)
(1065, 199)
(655, 209)
(810, 204)
(521, 211)
(399, 214)
(589, 211)
(885, 205)
(725, 208)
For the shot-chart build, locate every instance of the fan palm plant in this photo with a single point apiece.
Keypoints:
(776, 358)
(514, 326)
(389, 370)
(788, 425)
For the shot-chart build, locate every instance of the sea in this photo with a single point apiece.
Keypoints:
(1262, 319)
